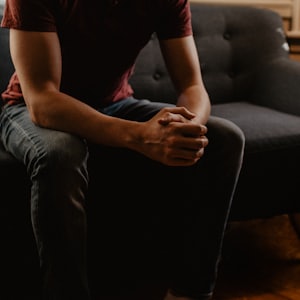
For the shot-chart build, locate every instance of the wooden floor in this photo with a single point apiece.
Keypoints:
(261, 261)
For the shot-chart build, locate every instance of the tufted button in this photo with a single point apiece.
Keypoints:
(156, 76)
(227, 36)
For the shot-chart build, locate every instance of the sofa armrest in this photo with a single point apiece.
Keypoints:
(277, 86)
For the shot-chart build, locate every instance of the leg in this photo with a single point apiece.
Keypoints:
(56, 164)
(207, 192)
(196, 202)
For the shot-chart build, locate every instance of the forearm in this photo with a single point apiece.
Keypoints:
(196, 100)
(61, 112)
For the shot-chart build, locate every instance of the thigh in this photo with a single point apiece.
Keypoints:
(28, 142)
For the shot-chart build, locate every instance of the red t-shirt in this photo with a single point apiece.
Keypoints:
(100, 40)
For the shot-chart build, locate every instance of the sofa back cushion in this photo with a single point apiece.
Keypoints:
(233, 43)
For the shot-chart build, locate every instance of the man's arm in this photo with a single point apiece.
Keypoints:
(37, 60)
(182, 61)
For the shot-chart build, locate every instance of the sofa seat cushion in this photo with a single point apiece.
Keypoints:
(272, 147)
(265, 129)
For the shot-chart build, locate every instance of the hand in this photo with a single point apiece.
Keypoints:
(176, 114)
(172, 138)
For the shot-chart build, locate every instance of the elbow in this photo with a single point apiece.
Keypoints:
(37, 115)
(39, 107)
(37, 119)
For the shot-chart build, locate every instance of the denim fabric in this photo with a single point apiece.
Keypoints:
(57, 165)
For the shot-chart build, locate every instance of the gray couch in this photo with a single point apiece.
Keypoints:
(250, 80)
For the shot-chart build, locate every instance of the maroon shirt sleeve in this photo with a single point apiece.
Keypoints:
(31, 15)
(175, 19)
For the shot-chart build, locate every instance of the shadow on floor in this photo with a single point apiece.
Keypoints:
(261, 261)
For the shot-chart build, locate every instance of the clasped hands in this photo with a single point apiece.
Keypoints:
(174, 137)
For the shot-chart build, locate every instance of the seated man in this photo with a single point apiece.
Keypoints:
(70, 93)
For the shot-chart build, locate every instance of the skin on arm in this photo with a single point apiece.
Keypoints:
(37, 60)
(182, 61)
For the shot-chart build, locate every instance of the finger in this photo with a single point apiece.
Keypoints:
(191, 129)
(192, 144)
(170, 117)
(181, 111)
(188, 154)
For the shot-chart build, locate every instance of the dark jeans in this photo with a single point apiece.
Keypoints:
(194, 202)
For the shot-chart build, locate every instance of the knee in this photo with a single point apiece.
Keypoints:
(224, 135)
(66, 149)
(225, 131)
(60, 151)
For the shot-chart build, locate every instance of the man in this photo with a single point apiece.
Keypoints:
(70, 94)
